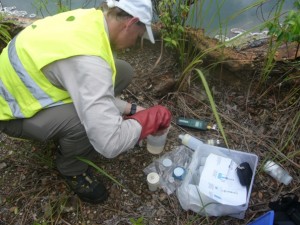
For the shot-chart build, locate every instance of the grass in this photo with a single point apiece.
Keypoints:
(213, 105)
(5, 36)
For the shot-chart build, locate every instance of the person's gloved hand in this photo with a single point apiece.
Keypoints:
(152, 120)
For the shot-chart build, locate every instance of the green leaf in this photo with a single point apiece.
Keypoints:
(71, 18)
(100, 170)
(174, 42)
(168, 39)
(212, 104)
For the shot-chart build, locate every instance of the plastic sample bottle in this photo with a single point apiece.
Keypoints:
(277, 172)
(193, 142)
(178, 173)
(156, 143)
(153, 181)
(190, 141)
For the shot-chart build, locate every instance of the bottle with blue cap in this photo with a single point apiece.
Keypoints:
(178, 173)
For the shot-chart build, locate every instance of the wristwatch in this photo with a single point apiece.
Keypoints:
(132, 109)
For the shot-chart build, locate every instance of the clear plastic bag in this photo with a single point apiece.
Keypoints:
(165, 165)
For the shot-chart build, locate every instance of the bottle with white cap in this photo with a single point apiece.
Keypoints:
(193, 142)
(277, 172)
(153, 181)
(190, 141)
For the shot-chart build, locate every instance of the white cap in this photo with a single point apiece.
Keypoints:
(153, 178)
(141, 9)
(153, 181)
(181, 136)
(167, 162)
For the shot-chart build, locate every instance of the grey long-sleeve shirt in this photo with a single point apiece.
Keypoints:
(88, 79)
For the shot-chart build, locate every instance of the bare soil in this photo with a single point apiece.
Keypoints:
(32, 192)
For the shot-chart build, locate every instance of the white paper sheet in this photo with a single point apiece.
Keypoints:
(220, 182)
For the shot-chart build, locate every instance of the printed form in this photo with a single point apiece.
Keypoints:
(220, 182)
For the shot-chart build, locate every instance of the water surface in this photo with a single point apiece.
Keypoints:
(208, 18)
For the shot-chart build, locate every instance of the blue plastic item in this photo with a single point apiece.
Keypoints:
(266, 219)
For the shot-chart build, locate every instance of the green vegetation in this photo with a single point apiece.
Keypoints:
(289, 29)
(103, 172)
(286, 31)
(213, 105)
(4, 30)
(42, 6)
(174, 16)
(4, 34)
(138, 221)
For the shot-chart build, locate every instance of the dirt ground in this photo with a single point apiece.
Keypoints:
(32, 192)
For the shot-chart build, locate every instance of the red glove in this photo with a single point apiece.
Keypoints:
(152, 119)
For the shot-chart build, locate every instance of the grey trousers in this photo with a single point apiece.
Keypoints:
(62, 124)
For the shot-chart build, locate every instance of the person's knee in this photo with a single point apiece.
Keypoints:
(12, 128)
(124, 69)
(124, 75)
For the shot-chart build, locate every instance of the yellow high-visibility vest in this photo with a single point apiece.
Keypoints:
(24, 89)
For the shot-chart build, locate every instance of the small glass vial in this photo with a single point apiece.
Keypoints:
(215, 142)
(277, 172)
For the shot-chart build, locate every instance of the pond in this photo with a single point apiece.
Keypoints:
(209, 16)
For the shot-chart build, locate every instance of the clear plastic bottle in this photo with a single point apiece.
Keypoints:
(190, 141)
(277, 172)
(193, 142)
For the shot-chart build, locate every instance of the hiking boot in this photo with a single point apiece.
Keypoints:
(87, 187)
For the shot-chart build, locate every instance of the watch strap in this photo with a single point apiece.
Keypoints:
(133, 109)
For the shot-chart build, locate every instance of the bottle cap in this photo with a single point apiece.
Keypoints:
(153, 181)
(167, 162)
(181, 136)
(178, 173)
(153, 178)
(269, 166)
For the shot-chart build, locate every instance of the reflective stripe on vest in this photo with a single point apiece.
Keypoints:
(11, 101)
(35, 90)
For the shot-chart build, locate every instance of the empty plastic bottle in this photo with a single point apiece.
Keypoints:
(277, 172)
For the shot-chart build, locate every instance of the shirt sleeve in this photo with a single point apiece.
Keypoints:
(121, 105)
(88, 79)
